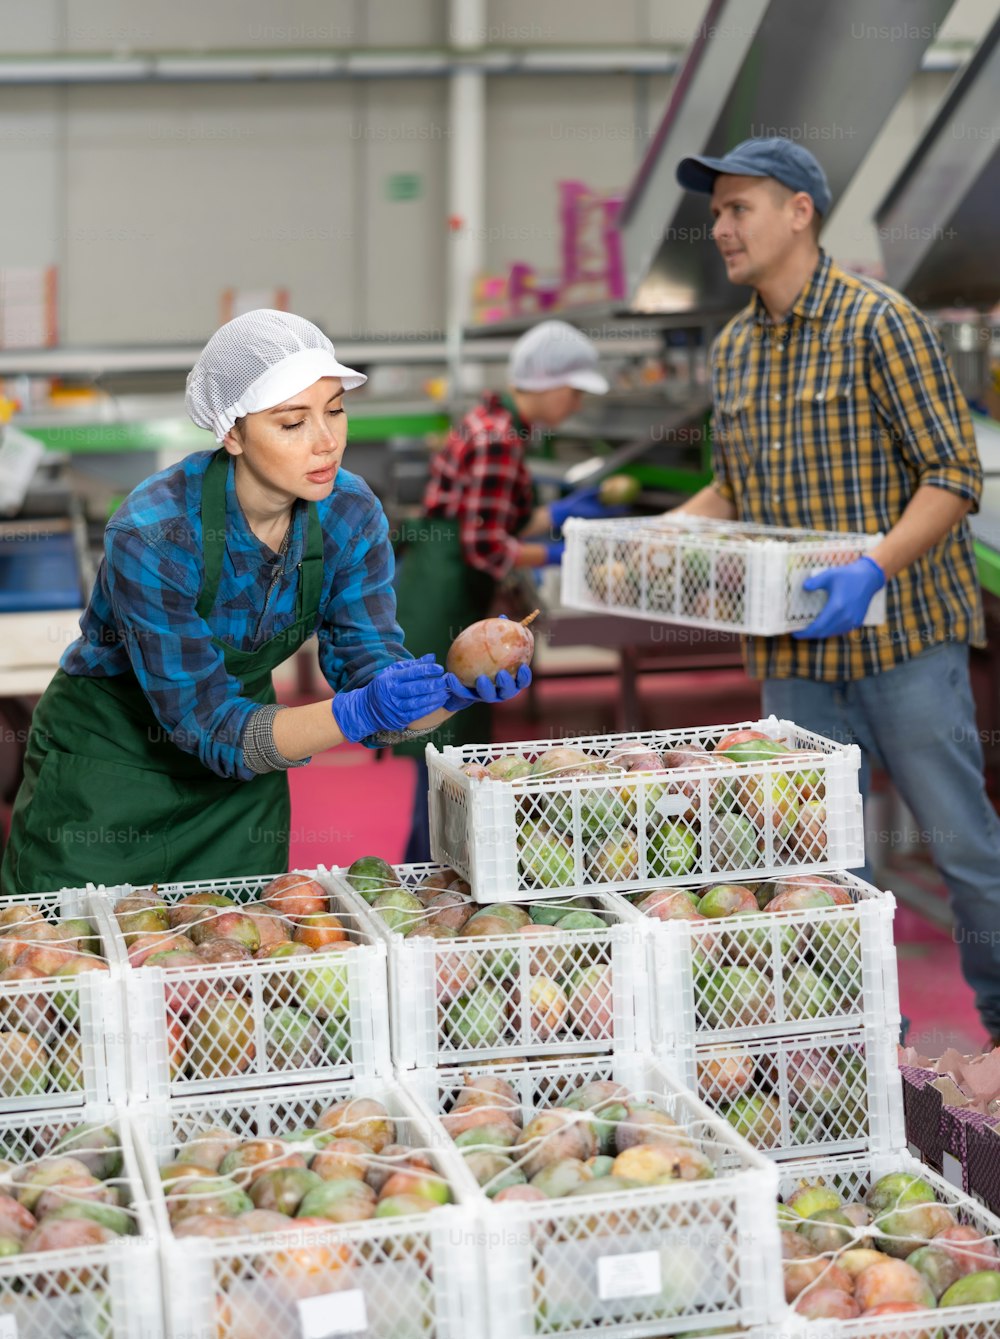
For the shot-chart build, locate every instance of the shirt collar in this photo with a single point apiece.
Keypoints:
(813, 298)
(238, 526)
(522, 429)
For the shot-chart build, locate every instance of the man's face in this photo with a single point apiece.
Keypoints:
(756, 222)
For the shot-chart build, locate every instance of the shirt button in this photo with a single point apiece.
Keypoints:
(818, 395)
(775, 446)
(777, 395)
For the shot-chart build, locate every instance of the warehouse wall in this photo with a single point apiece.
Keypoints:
(153, 199)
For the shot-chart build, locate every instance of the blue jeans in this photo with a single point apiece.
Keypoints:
(418, 843)
(919, 721)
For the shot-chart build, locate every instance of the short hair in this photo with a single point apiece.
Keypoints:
(781, 192)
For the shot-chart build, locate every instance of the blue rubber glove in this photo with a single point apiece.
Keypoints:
(586, 504)
(554, 550)
(849, 593)
(403, 692)
(500, 689)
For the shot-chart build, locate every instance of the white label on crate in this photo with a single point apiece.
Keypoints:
(8, 1327)
(951, 1169)
(332, 1314)
(629, 1275)
(672, 806)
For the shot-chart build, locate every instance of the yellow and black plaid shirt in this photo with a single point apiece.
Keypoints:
(831, 420)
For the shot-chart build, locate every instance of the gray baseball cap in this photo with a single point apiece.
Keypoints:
(780, 158)
(553, 354)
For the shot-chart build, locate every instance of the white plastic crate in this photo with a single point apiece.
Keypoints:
(705, 573)
(108, 1291)
(409, 1277)
(852, 1177)
(538, 836)
(62, 1038)
(770, 974)
(815, 1095)
(654, 1261)
(303, 1018)
(455, 1000)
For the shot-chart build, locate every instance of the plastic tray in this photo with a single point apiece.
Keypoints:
(705, 573)
(437, 1017)
(775, 974)
(413, 1277)
(852, 1177)
(687, 825)
(646, 1262)
(796, 1097)
(96, 1291)
(72, 1040)
(339, 1027)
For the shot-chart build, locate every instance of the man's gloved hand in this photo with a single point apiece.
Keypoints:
(501, 689)
(554, 550)
(849, 593)
(403, 692)
(585, 503)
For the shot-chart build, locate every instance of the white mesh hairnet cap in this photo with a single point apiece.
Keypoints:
(554, 354)
(254, 362)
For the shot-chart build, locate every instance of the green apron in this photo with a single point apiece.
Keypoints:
(437, 595)
(108, 798)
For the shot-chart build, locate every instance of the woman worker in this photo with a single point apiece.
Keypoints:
(479, 518)
(158, 752)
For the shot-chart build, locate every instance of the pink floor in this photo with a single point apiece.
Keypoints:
(348, 803)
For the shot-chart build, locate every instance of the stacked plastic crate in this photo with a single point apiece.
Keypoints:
(77, 1245)
(512, 1018)
(279, 1155)
(771, 996)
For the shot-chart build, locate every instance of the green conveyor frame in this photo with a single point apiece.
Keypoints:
(171, 434)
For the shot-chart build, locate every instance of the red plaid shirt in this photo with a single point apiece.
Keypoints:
(479, 479)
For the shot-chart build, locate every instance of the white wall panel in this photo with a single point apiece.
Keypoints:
(541, 131)
(30, 167)
(32, 25)
(194, 25)
(403, 132)
(563, 22)
(176, 194)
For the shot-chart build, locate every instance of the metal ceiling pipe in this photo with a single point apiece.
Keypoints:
(247, 67)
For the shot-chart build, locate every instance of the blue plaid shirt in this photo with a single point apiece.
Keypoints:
(141, 614)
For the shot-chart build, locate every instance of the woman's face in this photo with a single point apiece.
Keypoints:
(295, 449)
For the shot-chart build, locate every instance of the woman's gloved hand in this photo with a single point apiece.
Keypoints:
(501, 689)
(404, 691)
(585, 503)
(849, 592)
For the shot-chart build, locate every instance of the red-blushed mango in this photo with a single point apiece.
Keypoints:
(489, 646)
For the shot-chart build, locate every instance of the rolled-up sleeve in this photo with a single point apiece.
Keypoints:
(181, 671)
(921, 404)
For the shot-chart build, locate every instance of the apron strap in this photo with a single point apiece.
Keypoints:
(213, 529)
(311, 568)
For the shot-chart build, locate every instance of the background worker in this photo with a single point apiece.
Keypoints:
(158, 752)
(835, 408)
(480, 519)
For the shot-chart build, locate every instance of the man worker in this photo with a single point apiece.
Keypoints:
(835, 408)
